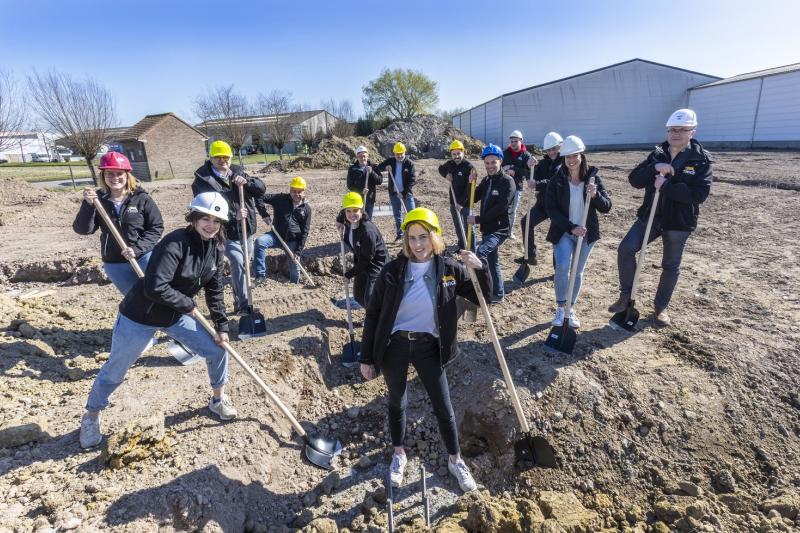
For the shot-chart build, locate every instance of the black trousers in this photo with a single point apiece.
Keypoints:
(423, 353)
(538, 215)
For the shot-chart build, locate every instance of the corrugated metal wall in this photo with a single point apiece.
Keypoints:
(494, 122)
(478, 121)
(779, 110)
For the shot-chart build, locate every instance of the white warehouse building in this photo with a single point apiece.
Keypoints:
(754, 110)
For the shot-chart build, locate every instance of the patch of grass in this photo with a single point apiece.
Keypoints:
(254, 159)
(27, 165)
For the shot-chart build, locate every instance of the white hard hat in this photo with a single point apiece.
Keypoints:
(551, 140)
(572, 145)
(361, 149)
(210, 203)
(516, 133)
(683, 117)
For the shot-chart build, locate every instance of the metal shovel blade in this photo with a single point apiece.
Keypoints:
(522, 273)
(626, 319)
(183, 354)
(252, 325)
(561, 339)
(467, 311)
(535, 449)
(350, 353)
(322, 451)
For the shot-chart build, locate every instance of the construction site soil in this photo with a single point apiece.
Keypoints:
(695, 427)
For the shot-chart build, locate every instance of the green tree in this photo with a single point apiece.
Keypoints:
(400, 93)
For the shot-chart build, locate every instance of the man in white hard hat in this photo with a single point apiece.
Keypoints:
(515, 164)
(681, 170)
(363, 179)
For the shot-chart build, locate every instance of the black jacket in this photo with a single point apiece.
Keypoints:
(682, 194)
(139, 222)
(359, 179)
(460, 173)
(181, 264)
(520, 163)
(292, 223)
(496, 195)
(557, 203)
(545, 169)
(206, 181)
(409, 174)
(369, 250)
(453, 280)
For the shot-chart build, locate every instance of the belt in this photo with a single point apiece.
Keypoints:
(413, 335)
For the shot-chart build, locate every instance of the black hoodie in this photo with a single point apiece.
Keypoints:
(369, 250)
(139, 222)
(496, 195)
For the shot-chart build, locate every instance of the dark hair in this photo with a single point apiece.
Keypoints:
(193, 216)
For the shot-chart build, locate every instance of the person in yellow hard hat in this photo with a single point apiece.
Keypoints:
(412, 319)
(402, 178)
(364, 239)
(292, 222)
(457, 172)
(219, 175)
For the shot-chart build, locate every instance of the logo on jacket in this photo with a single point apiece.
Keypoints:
(132, 209)
(448, 281)
(495, 192)
(689, 170)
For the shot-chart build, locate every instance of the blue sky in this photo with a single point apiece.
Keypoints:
(158, 56)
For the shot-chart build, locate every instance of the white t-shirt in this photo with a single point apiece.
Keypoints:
(576, 203)
(416, 311)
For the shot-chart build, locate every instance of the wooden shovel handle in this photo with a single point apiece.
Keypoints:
(471, 207)
(245, 247)
(272, 396)
(640, 260)
(293, 257)
(346, 286)
(117, 237)
(397, 192)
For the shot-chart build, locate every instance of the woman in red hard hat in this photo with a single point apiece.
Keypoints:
(133, 212)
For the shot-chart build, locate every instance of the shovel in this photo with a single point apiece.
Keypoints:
(528, 448)
(426, 502)
(397, 192)
(293, 257)
(389, 503)
(524, 269)
(351, 351)
(628, 318)
(562, 338)
(251, 324)
(320, 450)
(180, 352)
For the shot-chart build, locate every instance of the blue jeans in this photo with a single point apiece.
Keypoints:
(488, 249)
(130, 338)
(563, 251)
(266, 241)
(517, 196)
(464, 214)
(398, 213)
(235, 254)
(122, 275)
(369, 206)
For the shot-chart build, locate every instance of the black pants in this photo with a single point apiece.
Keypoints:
(538, 215)
(362, 288)
(424, 355)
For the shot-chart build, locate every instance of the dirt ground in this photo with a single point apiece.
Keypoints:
(691, 428)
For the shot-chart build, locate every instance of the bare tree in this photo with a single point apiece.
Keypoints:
(279, 104)
(343, 111)
(11, 110)
(82, 111)
(448, 114)
(224, 113)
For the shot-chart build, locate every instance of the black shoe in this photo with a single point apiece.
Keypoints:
(532, 260)
(519, 260)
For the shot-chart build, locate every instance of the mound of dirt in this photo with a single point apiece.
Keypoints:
(425, 136)
(17, 192)
(336, 152)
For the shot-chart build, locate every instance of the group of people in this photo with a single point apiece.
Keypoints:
(410, 301)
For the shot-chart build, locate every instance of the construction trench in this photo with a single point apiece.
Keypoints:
(690, 428)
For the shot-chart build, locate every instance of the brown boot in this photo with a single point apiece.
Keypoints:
(662, 318)
(620, 305)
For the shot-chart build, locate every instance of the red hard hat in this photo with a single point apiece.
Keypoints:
(114, 161)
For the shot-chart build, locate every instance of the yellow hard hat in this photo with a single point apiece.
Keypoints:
(352, 199)
(422, 214)
(456, 145)
(219, 148)
(399, 148)
(297, 183)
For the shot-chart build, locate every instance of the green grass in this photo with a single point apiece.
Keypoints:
(26, 165)
(254, 159)
(45, 172)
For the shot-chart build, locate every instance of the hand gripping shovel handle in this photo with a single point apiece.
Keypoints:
(117, 237)
(573, 271)
(640, 261)
(272, 396)
(246, 248)
(397, 192)
(293, 257)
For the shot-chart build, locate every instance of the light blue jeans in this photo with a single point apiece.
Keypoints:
(263, 243)
(235, 254)
(563, 254)
(398, 212)
(130, 338)
(122, 275)
(517, 197)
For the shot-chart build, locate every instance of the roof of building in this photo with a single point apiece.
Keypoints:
(752, 75)
(140, 129)
(294, 117)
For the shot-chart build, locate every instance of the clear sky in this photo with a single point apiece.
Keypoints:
(158, 56)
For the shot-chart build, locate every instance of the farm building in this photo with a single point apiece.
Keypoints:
(754, 110)
(620, 106)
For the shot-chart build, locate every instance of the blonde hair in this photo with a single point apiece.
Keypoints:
(436, 240)
(130, 184)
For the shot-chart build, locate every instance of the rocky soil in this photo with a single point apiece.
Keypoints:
(691, 428)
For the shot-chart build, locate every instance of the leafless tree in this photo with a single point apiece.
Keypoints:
(82, 111)
(11, 110)
(343, 111)
(224, 114)
(279, 104)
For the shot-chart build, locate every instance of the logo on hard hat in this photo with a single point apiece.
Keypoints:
(216, 208)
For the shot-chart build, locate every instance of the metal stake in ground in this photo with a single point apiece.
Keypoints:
(524, 269)
(320, 450)
(180, 352)
(426, 503)
(253, 323)
(293, 257)
(351, 351)
(562, 338)
(389, 502)
(628, 318)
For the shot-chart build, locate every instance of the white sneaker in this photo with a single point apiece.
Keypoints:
(513, 237)
(461, 472)
(573, 320)
(223, 407)
(558, 320)
(397, 468)
(90, 431)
